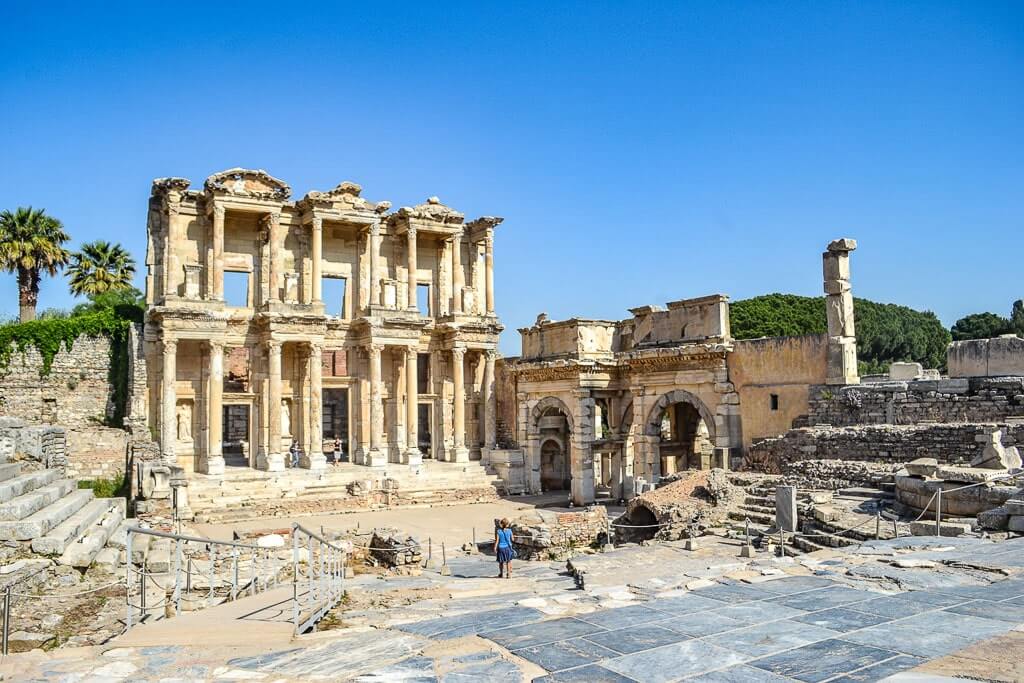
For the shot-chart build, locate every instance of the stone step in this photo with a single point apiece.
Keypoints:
(740, 515)
(140, 542)
(23, 483)
(57, 540)
(9, 470)
(28, 503)
(41, 521)
(83, 551)
(757, 509)
(864, 492)
(807, 545)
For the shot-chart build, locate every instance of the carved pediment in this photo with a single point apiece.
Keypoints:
(431, 210)
(162, 186)
(345, 196)
(241, 182)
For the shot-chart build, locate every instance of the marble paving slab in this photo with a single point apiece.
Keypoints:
(795, 584)
(935, 599)
(684, 604)
(999, 611)
(673, 662)
(565, 654)
(824, 598)
(893, 607)
(734, 593)
(621, 617)
(533, 634)
(909, 640)
(740, 673)
(445, 628)
(759, 612)
(877, 672)
(766, 639)
(592, 673)
(823, 660)
(841, 619)
(637, 638)
(700, 624)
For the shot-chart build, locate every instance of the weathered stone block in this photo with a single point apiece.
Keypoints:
(927, 528)
(785, 508)
(922, 467)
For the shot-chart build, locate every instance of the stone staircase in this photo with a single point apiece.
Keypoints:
(243, 493)
(55, 516)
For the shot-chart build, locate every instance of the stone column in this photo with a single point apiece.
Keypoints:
(169, 407)
(411, 266)
(216, 273)
(272, 458)
(412, 445)
(318, 246)
(213, 463)
(458, 277)
(842, 338)
(273, 221)
(582, 457)
(444, 278)
(459, 451)
(490, 408)
(489, 270)
(314, 458)
(376, 456)
(374, 258)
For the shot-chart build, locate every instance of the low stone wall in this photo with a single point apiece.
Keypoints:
(831, 475)
(981, 399)
(97, 452)
(874, 444)
(916, 493)
(543, 534)
(44, 446)
(997, 357)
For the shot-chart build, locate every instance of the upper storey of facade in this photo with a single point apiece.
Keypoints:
(688, 323)
(241, 248)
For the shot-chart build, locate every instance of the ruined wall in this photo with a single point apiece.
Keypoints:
(42, 446)
(685, 320)
(75, 393)
(97, 452)
(907, 403)
(1002, 356)
(505, 390)
(783, 367)
(878, 444)
(584, 339)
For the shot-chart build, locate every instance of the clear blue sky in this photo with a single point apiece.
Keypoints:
(640, 152)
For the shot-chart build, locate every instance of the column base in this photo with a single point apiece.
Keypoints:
(375, 458)
(270, 462)
(412, 457)
(459, 454)
(314, 461)
(212, 465)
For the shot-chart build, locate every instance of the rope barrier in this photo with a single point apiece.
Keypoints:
(68, 595)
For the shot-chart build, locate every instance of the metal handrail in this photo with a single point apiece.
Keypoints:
(322, 587)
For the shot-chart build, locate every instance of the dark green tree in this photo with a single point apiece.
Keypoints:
(1017, 318)
(980, 326)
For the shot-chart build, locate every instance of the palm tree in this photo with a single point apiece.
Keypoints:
(100, 267)
(30, 243)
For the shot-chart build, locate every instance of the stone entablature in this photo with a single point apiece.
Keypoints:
(286, 343)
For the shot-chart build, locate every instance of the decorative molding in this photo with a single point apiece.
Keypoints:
(242, 182)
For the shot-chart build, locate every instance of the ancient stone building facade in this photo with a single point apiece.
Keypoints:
(274, 322)
(601, 405)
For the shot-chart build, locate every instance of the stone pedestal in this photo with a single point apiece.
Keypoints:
(785, 508)
(270, 462)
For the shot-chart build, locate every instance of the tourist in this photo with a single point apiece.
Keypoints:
(294, 451)
(337, 450)
(503, 548)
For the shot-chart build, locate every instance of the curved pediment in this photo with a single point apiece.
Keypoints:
(432, 210)
(345, 195)
(243, 182)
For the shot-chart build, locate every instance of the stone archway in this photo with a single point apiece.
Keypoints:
(555, 474)
(682, 429)
(544, 406)
(548, 451)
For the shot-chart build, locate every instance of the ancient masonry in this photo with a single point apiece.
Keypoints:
(277, 329)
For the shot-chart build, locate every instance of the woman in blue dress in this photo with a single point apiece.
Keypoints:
(503, 548)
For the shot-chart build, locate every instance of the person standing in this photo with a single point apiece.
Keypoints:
(294, 451)
(337, 450)
(503, 548)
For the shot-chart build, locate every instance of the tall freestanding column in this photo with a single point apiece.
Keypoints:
(489, 270)
(213, 463)
(168, 413)
(376, 456)
(271, 455)
(842, 337)
(490, 409)
(458, 277)
(314, 458)
(459, 453)
(216, 272)
(412, 455)
(411, 266)
(317, 256)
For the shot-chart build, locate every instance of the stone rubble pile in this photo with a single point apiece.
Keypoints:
(394, 549)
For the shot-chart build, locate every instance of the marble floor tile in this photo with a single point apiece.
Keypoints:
(822, 660)
(734, 593)
(908, 640)
(877, 672)
(766, 639)
(684, 604)
(935, 598)
(841, 619)
(530, 635)
(591, 673)
(621, 617)
(740, 673)
(795, 584)
(412, 670)
(893, 607)
(636, 638)
(702, 624)
(958, 623)
(674, 662)
(565, 654)
(824, 598)
(759, 612)
(464, 624)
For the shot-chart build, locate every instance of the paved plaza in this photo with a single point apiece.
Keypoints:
(903, 608)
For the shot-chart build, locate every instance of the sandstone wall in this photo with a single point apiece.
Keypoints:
(783, 367)
(75, 393)
(873, 444)
(914, 402)
(505, 390)
(999, 357)
(97, 452)
(44, 446)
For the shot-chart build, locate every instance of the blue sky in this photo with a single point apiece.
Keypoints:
(639, 152)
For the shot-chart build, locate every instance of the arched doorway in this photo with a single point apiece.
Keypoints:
(684, 431)
(554, 467)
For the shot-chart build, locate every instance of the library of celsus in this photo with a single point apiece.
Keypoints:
(279, 332)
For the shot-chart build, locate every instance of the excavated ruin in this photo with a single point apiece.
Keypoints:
(684, 505)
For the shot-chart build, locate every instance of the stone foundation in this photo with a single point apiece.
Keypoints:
(545, 535)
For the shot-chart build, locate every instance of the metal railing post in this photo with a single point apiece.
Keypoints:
(310, 579)
(255, 573)
(295, 575)
(938, 511)
(177, 576)
(128, 580)
(142, 591)
(234, 574)
(878, 524)
(7, 620)
(321, 589)
(188, 575)
(213, 564)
